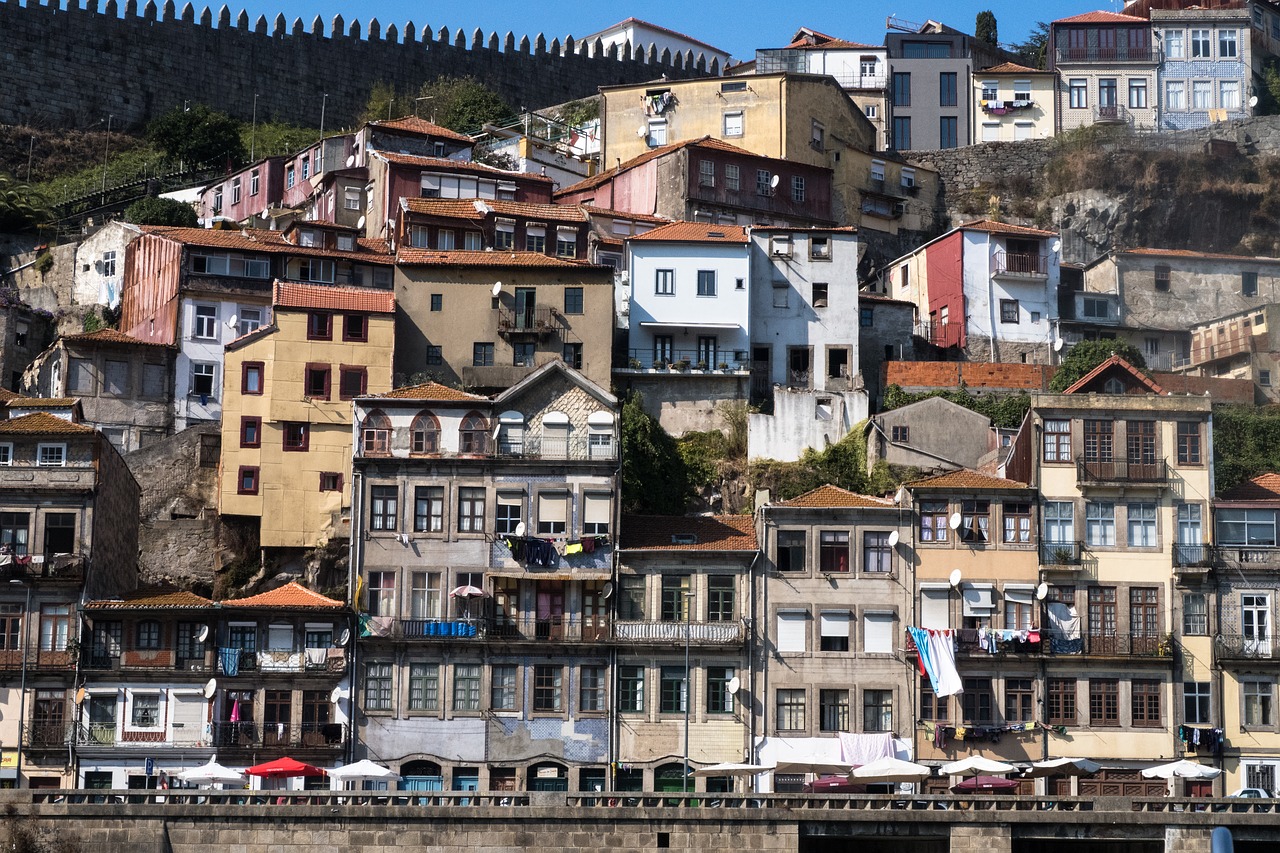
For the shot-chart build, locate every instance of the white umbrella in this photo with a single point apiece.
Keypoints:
(890, 769)
(1062, 767)
(833, 768)
(468, 591)
(360, 771)
(730, 769)
(976, 764)
(211, 773)
(1182, 770)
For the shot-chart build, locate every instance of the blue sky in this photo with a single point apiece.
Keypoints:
(739, 27)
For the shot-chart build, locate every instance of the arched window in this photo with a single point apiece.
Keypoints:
(375, 434)
(473, 435)
(511, 433)
(425, 433)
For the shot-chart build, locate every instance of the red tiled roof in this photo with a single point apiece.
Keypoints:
(149, 598)
(1012, 68)
(469, 209)
(1264, 487)
(6, 395)
(370, 251)
(830, 43)
(463, 258)
(992, 227)
(456, 166)
(834, 496)
(1114, 361)
(653, 154)
(333, 298)
(43, 402)
(695, 232)
(709, 533)
(622, 214)
(1187, 253)
(43, 422)
(291, 595)
(109, 336)
(413, 124)
(1101, 18)
(965, 479)
(430, 391)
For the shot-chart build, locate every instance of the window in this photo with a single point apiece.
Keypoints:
(1229, 94)
(834, 628)
(1196, 704)
(1201, 47)
(706, 173)
(572, 355)
(790, 551)
(383, 510)
(147, 635)
(250, 432)
(1195, 614)
(573, 300)
(657, 133)
(900, 433)
(665, 283)
(1017, 700)
(247, 480)
(1175, 95)
(1162, 272)
(1104, 702)
(990, 91)
(319, 326)
(933, 707)
(553, 513)
(377, 686)
(1226, 45)
(1248, 283)
(975, 521)
(6, 453)
(631, 689)
(206, 323)
(115, 380)
(977, 701)
(591, 689)
(1137, 93)
(1017, 522)
(382, 593)
(797, 188)
(1078, 93)
(1264, 378)
(1057, 441)
(444, 239)
(330, 481)
(1144, 702)
(1107, 94)
(51, 455)
(719, 699)
(466, 687)
(1009, 311)
(1100, 523)
(1188, 443)
(764, 182)
(535, 238)
(1174, 46)
(877, 710)
(428, 509)
(877, 633)
(833, 710)
(947, 96)
(424, 687)
(548, 687)
(933, 521)
(672, 690)
(316, 384)
(792, 630)
(350, 196)
(1094, 308)
(1098, 441)
(523, 353)
(297, 436)
(901, 89)
(14, 529)
(1060, 701)
(146, 710)
(791, 706)
(877, 170)
(833, 551)
(471, 510)
(504, 234)
(706, 282)
(355, 327)
(948, 132)
(482, 354)
(1142, 525)
(877, 553)
(1257, 702)
(817, 134)
(1201, 94)
(250, 320)
(732, 177)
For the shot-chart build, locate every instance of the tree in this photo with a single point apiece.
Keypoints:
(1031, 52)
(654, 477)
(985, 27)
(198, 135)
(1087, 355)
(161, 211)
(381, 102)
(462, 103)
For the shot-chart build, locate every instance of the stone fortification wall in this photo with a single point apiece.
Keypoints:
(74, 66)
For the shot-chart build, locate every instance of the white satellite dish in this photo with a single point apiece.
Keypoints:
(954, 521)
(335, 695)
(1253, 100)
(1042, 591)
(360, 222)
(900, 495)
(642, 131)
(497, 288)
(1058, 343)
(1056, 246)
(351, 161)
(202, 634)
(520, 529)
(232, 320)
(344, 637)
(954, 578)
(893, 539)
(774, 181)
(734, 685)
(210, 687)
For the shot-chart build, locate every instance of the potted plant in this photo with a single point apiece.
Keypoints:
(702, 365)
(660, 364)
(1062, 556)
(682, 364)
(724, 365)
(634, 364)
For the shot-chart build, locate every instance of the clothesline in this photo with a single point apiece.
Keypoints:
(545, 552)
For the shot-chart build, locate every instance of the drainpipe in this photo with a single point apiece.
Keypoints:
(751, 657)
(355, 561)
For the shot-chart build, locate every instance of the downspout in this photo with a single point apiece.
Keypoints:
(611, 745)
(1219, 686)
(751, 656)
(355, 561)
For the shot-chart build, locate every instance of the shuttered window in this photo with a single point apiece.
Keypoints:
(791, 630)
(935, 608)
(877, 633)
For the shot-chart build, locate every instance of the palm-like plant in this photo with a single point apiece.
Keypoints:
(22, 208)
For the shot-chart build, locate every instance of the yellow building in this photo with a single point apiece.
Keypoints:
(1012, 102)
(286, 417)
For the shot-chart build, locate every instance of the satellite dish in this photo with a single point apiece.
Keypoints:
(1056, 246)
(954, 521)
(80, 696)
(893, 539)
(497, 288)
(520, 529)
(1057, 344)
(642, 131)
(335, 695)
(606, 591)
(344, 637)
(1253, 100)
(1042, 591)
(210, 687)
(360, 222)
(734, 685)
(232, 320)
(900, 495)
(774, 181)
(351, 161)
(954, 578)
(202, 634)
(266, 214)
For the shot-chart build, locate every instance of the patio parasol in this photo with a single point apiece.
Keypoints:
(283, 768)
(211, 773)
(1181, 769)
(1062, 767)
(974, 765)
(730, 769)
(889, 769)
(815, 765)
(359, 772)
(468, 591)
(985, 784)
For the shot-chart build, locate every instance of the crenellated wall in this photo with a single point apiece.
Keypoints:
(76, 66)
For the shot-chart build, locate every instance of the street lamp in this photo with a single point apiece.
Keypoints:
(323, 104)
(106, 149)
(688, 684)
(22, 690)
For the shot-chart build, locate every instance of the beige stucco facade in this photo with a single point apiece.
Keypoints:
(1010, 105)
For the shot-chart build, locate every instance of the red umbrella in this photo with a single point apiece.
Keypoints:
(283, 768)
(981, 784)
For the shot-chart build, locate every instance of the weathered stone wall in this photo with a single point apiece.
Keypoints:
(72, 67)
(987, 162)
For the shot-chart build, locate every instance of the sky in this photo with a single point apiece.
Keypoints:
(739, 27)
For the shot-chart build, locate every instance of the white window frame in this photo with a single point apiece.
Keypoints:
(6, 453)
(202, 323)
(50, 462)
(733, 123)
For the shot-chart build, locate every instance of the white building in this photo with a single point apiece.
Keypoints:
(206, 324)
(641, 34)
(99, 270)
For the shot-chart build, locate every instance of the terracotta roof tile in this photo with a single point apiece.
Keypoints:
(39, 423)
(834, 496)
(333, 298)
(430, 391)
(43, 402)
(992, 227)
(149, 598)
(1187, 253)
(291, 595)
(1264, 487)
(469, 209)
(457, 166)
(463, 258)
(1012, 68)
(708, 533)
(370, 251)
(965, 479)
(623, 214)
(694, 232)
(413, 124)
(830, 43)
(6, 395)
(1101, 18)
(1114, 361)
(109, 336)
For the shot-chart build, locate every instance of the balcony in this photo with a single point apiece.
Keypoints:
(577, 447)
(250, 736)
(58, 567)
(1203, 353)
(1246, 557)
(1119, 53)
(37, 660)
(1111, 114)
(556, 629)
(1017, 264)
(1062, 556)
(774, 202)
(968, 644)
(675, 633)
(158, 660)
(108, 735)
(1194, 559)
(537, 322)
(940, 334)
(1120, 472)
(45, 734)
(234, 662)
(1245, 647)
(684, 361)
(1112, 644)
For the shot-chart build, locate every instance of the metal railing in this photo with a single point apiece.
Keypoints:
(140, 659)
(1120, 471)
(1206, 352)
(108, 734)
(776, 201)
(533, 320)
(700, 633)
(586, 629)
(47, 735)
(65, 567)
(1119, 53)
(252, 735)
(1245, 647)
(1112, 643)
(685, 360)
(1110, 114)
(939, 334)
(1194, 556)
(1015, 263)
(1062, 554)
